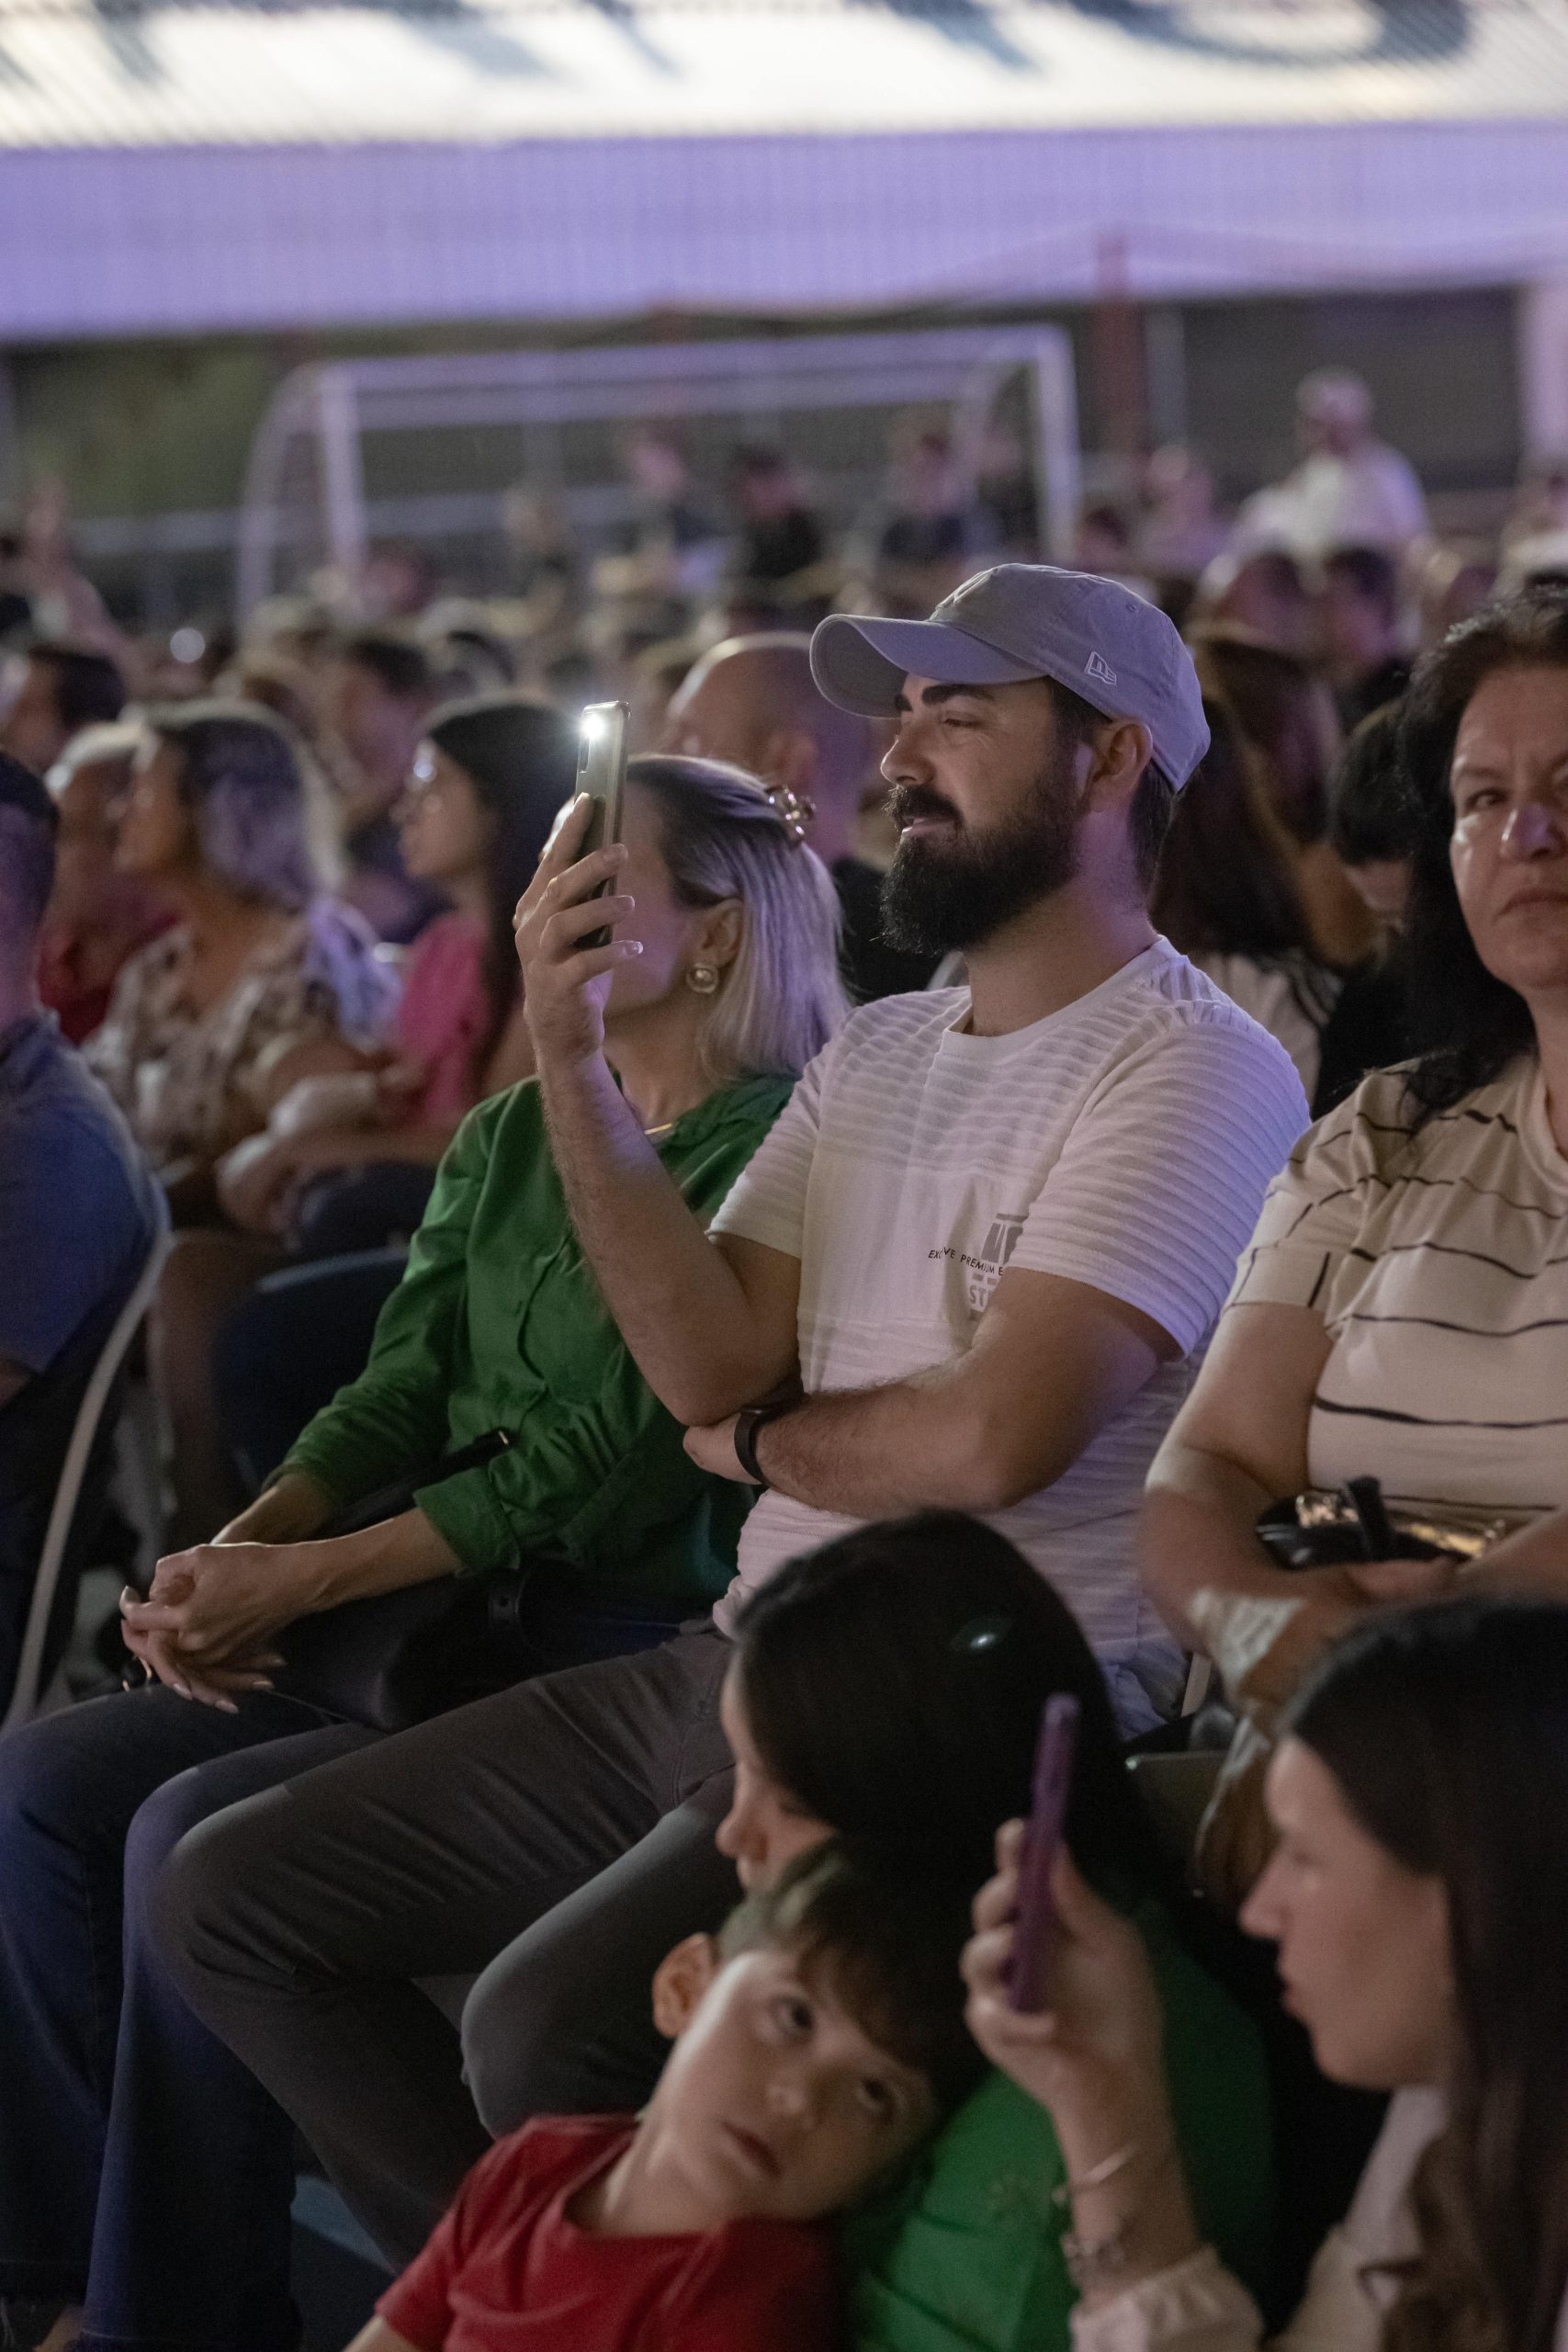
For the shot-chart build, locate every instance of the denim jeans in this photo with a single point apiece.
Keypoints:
(142, 2169)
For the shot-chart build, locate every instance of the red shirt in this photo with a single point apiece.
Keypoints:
(506, 2271)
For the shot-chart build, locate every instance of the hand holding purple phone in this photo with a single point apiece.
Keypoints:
(1034, 1932)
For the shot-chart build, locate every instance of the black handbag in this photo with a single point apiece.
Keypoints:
(396, 1659)
(1328, 1527)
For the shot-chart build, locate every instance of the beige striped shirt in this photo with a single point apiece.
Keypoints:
(1439, 1262)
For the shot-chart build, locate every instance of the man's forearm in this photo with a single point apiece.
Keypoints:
(874, 1453)
(678, 1304)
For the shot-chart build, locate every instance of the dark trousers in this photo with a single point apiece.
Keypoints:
(141, 2168)
(558, 1837)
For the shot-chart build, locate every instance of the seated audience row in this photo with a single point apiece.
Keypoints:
(956, 1276)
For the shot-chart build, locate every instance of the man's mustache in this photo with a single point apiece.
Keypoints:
(908, 802)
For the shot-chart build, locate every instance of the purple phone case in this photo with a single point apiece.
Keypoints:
(1034, 1929)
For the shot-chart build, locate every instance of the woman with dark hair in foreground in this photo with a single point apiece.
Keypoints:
(1418, 1895)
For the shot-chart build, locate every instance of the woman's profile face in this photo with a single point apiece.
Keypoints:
(672, 935)
(1363, 1942)
(1508, 782)
(442, 828)
(766, 1827)
(157, 835)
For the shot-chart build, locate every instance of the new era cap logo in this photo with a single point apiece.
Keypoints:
(1097, 666)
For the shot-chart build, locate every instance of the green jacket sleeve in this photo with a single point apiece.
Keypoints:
(597, 1477)
(392, 1422)
(969, 2257)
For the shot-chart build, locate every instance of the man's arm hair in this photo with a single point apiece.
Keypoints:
(1052, 1362)
(711, 1325)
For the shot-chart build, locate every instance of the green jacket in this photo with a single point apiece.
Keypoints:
(968, 2258)
(498, 1324)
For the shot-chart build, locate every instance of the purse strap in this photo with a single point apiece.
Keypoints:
(388, 1502)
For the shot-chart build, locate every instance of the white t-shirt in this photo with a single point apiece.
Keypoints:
(1291, 999)
(1370, 499)
(1440, 1265)
(1125, 1142)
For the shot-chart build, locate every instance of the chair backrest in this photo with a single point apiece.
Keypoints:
(27, 1692)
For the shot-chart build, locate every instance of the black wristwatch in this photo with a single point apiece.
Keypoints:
(747, 1424)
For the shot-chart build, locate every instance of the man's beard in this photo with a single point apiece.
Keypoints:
(941, 895)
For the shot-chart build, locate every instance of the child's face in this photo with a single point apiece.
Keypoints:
(776, 2104)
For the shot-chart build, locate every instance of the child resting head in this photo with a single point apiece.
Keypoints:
(820, 2039)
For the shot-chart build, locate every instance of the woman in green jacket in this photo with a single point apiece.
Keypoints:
(497, 1326)
(123, 2119)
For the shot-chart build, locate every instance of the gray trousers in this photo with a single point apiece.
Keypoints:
(558, 1837)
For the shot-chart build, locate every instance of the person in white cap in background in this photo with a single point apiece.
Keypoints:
(1349, 490)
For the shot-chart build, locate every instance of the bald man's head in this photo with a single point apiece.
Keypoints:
(752, 701)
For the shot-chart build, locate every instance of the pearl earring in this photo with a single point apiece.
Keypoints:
(702, 980)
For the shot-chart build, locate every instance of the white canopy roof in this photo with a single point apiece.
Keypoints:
(180, 168)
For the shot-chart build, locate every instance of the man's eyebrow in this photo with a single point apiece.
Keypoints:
(934, 695)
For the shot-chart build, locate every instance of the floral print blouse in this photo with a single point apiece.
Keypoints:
(193, 1083)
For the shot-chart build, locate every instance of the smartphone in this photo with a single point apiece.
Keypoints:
(602, 774)
(1035, 1925)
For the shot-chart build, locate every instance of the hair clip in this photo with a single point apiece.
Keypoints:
(791, 809)
(980, 1636)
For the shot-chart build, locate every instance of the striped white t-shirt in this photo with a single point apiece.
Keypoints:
(1125, 1142)
(1439, 1262)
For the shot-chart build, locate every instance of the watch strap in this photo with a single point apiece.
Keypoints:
(747, 1424)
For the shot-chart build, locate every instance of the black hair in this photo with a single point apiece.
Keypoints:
(89, 690)
(892, 1683)
(1472, 1023)
(885, 1939)
(520, 756)
(1370, 573)
(28, 824)
(1225, 883)
(1370, 818)
(1446, 1729)
(402, 663)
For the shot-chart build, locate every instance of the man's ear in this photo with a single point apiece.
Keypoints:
(680, 1981)
(1122, 753)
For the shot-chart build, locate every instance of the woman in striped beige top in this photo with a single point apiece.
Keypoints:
(1403, 1309)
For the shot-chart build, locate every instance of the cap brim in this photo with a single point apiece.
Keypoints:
(860, 663)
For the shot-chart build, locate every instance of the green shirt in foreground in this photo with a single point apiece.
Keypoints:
(969, 2257)
(498, 1324)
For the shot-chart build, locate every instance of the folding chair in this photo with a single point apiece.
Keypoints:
(27, 1696)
